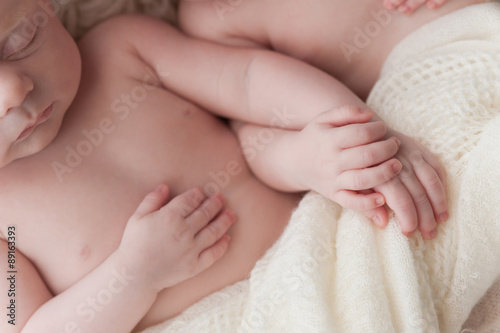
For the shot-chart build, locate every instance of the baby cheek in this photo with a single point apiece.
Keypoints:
(70, 69)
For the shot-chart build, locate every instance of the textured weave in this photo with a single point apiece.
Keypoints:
(485, 318)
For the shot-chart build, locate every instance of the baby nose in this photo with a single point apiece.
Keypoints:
(14, 87)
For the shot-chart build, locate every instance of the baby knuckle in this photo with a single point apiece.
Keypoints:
(170, 216)
(405, 204)
(348, 110)
(363, 205)
(204, 211)
(185, 208)
(196, 197)
(421, 199)
(416, 158)
(363, 132)
(434, 183)
(369, 156)
(212, 233)
(440, 171)
(360, 182)
(180, 236)
(406, 173)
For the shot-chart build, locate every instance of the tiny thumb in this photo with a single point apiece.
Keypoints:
(153, 201)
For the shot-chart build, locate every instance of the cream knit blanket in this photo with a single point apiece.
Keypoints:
(332, 270)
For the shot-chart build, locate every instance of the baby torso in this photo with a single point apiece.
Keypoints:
(348, 39)
(123, 135)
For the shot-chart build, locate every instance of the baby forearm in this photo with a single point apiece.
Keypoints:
(275, 82)
(110, 299)
(271, 156)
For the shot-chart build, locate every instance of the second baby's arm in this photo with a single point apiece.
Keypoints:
(248, 84)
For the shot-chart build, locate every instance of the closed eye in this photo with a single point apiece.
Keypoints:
(19, 46)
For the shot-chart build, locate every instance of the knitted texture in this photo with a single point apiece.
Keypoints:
(444, 90)
(79, 16)
(332, 270)
(485, 318)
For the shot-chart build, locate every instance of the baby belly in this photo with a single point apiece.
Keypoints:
(262, 217)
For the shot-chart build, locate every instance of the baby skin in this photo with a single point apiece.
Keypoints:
(331, 35)
(87, 132)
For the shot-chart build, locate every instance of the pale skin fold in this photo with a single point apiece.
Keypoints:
(88, 131)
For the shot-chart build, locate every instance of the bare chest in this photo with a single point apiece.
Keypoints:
(71, 202)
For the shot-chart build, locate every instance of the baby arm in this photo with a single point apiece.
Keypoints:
(249, 84)
(409, 6)
(337, 154)
(163, 244)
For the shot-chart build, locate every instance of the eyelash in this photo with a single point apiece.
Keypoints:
(25, 51)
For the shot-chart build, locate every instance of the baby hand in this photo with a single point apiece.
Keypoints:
(409, 6)
(341, 153)
(168, 243)
(417, 195)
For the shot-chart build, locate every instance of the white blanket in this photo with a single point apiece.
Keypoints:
(332, 270)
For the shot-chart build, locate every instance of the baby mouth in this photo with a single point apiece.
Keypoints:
(43, 117)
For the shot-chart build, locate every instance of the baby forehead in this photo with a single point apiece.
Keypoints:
(13, 11)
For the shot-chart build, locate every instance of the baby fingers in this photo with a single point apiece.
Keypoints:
(410, 6)
(358, 201)
(368, 155)
(214, 230)
(213, 239)
(433, 185)
(363, 179)
(344, 115)
(433, 4)
(203, 214)
(354, 135)
(187, 202)
(393, 4)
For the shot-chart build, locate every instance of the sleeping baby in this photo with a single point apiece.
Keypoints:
(89, 130)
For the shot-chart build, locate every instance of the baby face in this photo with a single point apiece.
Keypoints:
(40, 70)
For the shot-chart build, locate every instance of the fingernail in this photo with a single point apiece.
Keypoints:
(443, 217)
(231, 214)
(433, 233)
(376, 220)
(220, 197)
(410, 234)
(397, 141)
(379, 202)
(396, 167)
(404, 9)
(391, 6)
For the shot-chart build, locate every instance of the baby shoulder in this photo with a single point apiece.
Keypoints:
(116, 43)
(223, 21)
